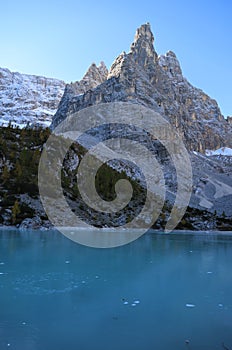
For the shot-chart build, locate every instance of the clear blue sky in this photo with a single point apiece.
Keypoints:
(60, 39)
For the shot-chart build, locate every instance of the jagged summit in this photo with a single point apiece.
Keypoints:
(142, 48)
(94, 76)
(144, 31)
(141, 76)
(141, 52)
(171, 65)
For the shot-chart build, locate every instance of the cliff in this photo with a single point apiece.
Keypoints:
(141, 76)
(28, 98)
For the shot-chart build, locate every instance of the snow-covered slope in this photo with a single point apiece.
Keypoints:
(28, 98)
(223, 151)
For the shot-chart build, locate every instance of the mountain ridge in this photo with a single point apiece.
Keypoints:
(141, 76)
(26, 98)
(32, 99)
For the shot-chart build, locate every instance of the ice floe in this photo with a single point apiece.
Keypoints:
(190, 305)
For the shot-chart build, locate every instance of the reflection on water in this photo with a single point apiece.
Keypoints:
(159, 292)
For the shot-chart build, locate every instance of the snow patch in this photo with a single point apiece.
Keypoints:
(223, 151)
(28, 98)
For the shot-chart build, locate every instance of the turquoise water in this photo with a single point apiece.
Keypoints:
(154, 293)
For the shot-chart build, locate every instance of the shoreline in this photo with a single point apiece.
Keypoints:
(105, 229)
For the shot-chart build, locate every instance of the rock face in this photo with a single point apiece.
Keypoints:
(28, 98)
(143, 77)
(34, 99)
(229, 120)
(140, 77)
(93, 77)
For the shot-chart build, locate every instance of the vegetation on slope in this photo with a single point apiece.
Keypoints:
(20, 151)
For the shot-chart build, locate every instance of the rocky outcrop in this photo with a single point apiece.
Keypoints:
(74, 91)
(229, 120)
(28, 98)
(210, 206)
(141, 76)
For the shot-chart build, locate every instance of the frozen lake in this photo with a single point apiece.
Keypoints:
(160, 292)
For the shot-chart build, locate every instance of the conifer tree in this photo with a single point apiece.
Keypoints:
(15, 211)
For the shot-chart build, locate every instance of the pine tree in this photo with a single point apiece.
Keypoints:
(18, 170)
(5, 173)
(15, 211)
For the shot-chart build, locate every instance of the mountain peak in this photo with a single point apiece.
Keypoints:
(144, 32)
(142, 53)
(95, 75)
(141, 76)
(171, 65)
(143, 46)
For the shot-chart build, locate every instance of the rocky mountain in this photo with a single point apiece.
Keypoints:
(28, 98)
(141, 76)
(93, 77)
(33, 99)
